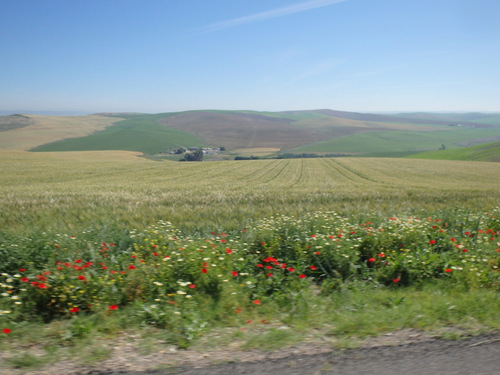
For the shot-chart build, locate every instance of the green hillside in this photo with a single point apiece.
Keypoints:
(314, 131)
(488, 152)
(384, 142)
(136, 133)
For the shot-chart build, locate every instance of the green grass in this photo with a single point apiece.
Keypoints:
(488, 152)
(137, 133)
(493, 119)
(341, 320)
(399, 141)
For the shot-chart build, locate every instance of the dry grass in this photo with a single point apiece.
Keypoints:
(46, 129)
(256, 151)
(67, 190)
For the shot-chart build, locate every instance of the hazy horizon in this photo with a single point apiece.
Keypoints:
(80, 113)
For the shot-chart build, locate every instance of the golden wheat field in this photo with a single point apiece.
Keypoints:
(46, 129)
(70, 190)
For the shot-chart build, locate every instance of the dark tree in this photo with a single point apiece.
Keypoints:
(194, 155)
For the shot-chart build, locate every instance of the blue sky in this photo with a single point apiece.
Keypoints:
(172, 55)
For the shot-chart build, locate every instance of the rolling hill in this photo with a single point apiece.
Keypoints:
(482, 152)
(321, 131)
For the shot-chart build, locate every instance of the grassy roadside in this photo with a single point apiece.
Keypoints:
(339, 320)
(282, 281)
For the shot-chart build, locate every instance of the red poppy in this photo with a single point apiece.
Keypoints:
(260, 265)
(234, 273)
(432, 242)
(229, 251)
(78, 261)
(131, 267)
(371, 260)
(22, 269)
(25, 279)
(238, 310)
(42, 286)
(448, 270)
(81, 277)
(155, 254)
(113, 307)
(192, 286)
(317, 253)
(6, 331)
(302, 276)
(74, 309)
(396, 280)
(204, 270)
(257, 302)
(290, 269)
(269, 275)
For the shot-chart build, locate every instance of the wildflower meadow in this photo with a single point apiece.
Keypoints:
(171, 280)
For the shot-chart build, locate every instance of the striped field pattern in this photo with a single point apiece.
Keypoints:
(64, 190)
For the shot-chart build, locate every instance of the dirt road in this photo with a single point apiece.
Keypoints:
(476, 356)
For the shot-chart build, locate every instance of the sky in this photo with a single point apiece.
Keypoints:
(152, 56)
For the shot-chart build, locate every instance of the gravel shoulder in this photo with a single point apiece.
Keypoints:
(478, 356)
(406, 351)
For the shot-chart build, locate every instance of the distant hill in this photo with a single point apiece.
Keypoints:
(14, 121)
(321, 131)
(24, 132)
(484, 152)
